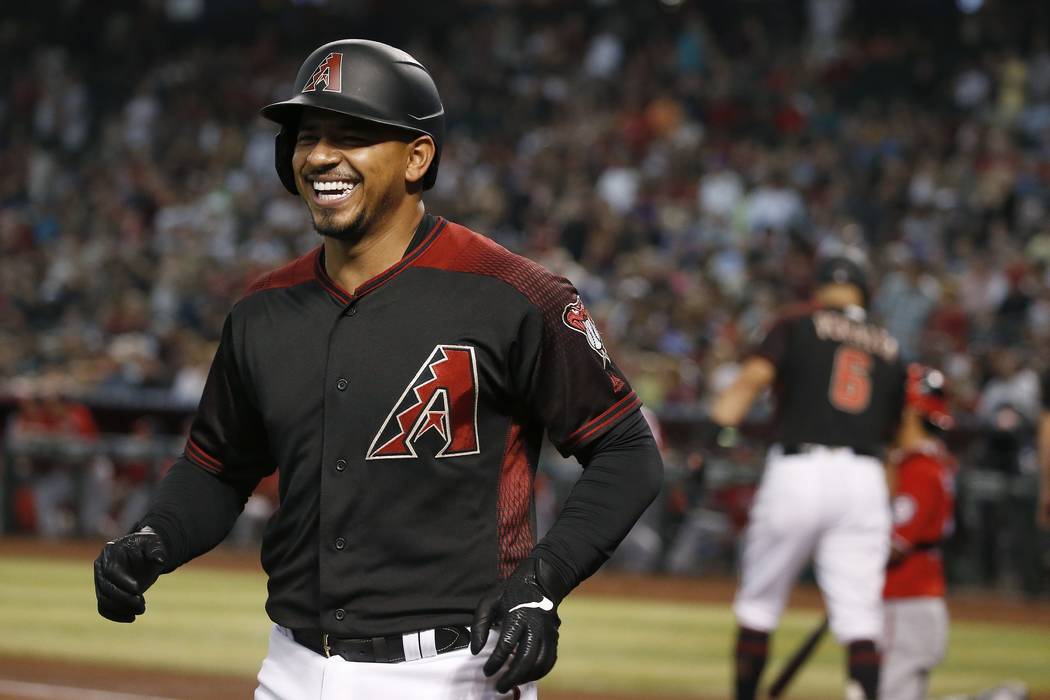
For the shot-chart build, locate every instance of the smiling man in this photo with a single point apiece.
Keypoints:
(400, 378)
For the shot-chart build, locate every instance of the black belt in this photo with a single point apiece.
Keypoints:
(391, 649)
(798, 448)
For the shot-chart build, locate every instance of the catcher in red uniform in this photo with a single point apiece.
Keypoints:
(915, 636)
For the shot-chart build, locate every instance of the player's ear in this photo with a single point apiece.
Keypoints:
(420, 155)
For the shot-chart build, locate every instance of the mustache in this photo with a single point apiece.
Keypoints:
(315, 174)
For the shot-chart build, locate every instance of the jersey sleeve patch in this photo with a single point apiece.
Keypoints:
(576, 318)
(904, 509)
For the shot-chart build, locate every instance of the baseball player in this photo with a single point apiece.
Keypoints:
(839, 389)
(399, 377)
(915, 634)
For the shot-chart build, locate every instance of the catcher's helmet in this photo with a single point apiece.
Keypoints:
(840, 269)
(363, 79)
(927, 395)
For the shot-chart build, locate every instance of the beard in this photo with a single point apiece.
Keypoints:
(369, 214)
(325, 223)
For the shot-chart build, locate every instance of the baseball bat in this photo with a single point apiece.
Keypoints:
(805, 650)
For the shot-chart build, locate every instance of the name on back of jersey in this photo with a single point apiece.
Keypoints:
(836, 327)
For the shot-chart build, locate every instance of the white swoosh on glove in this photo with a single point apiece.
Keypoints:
(544, 604)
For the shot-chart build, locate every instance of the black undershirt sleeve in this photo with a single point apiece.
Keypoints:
(193, 510)
(622, 475)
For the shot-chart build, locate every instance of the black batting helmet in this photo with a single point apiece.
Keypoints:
(840, 269)
(363, 79)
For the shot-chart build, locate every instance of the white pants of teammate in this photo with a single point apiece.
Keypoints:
(915, 639)
(831, 505)
(290, 671)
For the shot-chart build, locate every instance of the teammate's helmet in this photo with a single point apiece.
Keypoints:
(840, 269)
(926, 394)
(364, 79)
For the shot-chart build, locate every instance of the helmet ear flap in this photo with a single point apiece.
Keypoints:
(284, 144)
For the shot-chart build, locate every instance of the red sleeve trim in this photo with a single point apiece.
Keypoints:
(604, 420)
(202, 458)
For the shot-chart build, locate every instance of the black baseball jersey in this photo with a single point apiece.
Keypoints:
(405, 422)
(839, 380)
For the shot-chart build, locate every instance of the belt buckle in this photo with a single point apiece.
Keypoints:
(324, 645)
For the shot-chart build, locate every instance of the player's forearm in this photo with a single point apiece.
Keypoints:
(733, 404)
(622, 475)
(192, 511)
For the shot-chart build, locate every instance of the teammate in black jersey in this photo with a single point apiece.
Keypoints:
(839, 389)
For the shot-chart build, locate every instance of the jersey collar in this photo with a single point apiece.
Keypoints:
(429, 228)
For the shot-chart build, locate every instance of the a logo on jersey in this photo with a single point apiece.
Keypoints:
(443, 398)
(576, 317)
(329, 72)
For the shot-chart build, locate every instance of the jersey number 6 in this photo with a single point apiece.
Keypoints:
(850, 388)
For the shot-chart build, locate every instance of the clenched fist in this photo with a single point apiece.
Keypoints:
(124, 570)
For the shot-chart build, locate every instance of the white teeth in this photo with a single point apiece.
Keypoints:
(332, 191)
(337, 186)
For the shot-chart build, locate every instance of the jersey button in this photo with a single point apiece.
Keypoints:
(352, 310)
(340, 543)
(340, 465)
(342, 384)
(340, 614)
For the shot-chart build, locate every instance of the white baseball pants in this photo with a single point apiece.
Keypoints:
(290, 671)
(915, 640)
(830, 504)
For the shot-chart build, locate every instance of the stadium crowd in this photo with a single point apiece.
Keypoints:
(684, 168)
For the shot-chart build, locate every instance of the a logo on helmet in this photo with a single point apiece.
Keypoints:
(329, 72)
(576, 317)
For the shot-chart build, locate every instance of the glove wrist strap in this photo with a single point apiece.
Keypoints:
(549, 580)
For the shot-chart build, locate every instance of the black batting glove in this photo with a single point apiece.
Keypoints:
(526, 612)
(124, 570)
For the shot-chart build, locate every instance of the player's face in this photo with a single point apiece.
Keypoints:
(350, 172)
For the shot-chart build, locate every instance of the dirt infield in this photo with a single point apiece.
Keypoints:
(64, 679)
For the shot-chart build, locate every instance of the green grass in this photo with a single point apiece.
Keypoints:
(212, 621)
(199, 619)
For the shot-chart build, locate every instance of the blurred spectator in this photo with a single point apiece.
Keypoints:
(136, 468)
(70, 484)
(1012, 386)
(905, 300)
